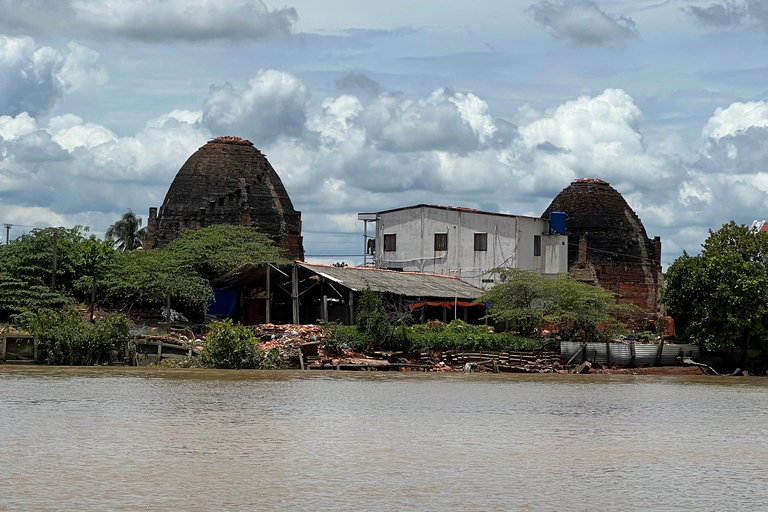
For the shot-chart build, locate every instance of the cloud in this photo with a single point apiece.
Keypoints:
(33, 79)
(366, 153)
(274, 103)
(358, 81)
(582, 23)
(149, 20)
(731, 14)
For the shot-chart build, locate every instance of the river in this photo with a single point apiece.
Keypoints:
(96, 439)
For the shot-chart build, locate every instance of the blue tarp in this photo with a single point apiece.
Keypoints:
(225, 303)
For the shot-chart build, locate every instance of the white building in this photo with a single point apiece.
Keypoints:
(465, 243)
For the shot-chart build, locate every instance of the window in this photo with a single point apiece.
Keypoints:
(481, 241)
(537, 245)
(441, 242)
(390, 242)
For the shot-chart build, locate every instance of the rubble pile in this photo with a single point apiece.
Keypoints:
(286, 338)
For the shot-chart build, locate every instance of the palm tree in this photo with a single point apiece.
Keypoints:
(127, 232)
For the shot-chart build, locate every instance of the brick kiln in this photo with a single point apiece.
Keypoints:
(227, 181)
(608, 245)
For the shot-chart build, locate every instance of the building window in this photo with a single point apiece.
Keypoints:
(481, 241)
(390, 242)
(537, 245)
(441, 242)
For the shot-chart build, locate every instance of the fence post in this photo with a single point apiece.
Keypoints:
(658, 352)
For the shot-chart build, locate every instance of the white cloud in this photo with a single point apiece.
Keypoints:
(149, 20)
(12, 128)
(274, 103)
(735, 119)
(33, 79)
(581, 22)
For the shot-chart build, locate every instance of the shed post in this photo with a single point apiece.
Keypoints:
(351, 304)
(325, 308)
(268, 308)
(295, 293)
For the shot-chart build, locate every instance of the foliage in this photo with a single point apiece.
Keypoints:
(145, 278)
(26, 266)
(68, 340)
(231, 345)
(215, 250)
(371, 317)
(521, 299)
(127, 232)
(339, 337)
(576, 307)
(457, 335)
(526, 299)
(720, 298)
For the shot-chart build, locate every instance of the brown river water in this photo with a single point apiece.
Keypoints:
(141, 439)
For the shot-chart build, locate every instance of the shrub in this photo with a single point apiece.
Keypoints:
(371, 317)
(68, 340)
(341, 337)
(231, 345)
(457, 336)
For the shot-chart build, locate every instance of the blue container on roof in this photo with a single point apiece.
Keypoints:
(557, 222)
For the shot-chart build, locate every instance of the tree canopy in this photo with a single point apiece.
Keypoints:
(526, 299)
(26, 268)
(719, 298)
(215, 250)
(127, 232)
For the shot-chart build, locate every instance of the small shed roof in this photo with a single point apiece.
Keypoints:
(407, 284)
(410, 284)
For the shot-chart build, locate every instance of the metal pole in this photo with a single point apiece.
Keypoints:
(8, 233)
(295, 293)
(269, 296)
(55, 256)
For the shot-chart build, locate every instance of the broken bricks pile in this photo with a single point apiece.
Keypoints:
(286, 338)
(182, 337)
(510, 362)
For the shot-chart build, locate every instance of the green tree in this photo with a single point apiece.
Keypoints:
(26, 268)
(720, 297)
(578, 308)
(147, 278)
(522, 299)
(371, 317)
(127, 232)
(215, 250)
(527, 298)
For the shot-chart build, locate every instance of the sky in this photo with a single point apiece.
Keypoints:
(365, 106)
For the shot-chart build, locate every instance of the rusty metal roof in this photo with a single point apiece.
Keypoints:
(407, 284)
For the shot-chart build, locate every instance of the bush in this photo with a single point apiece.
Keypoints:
(66, 339)
(231, 345)
(457, 336)
(341, 337)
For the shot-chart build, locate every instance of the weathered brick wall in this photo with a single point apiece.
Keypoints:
(228, 181)
(608, 246)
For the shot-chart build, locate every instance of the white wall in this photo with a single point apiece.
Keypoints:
(510, 243)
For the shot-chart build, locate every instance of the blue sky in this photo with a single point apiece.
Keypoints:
(367, 106)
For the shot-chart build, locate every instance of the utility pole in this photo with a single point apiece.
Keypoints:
(53, 266)
(7, 233)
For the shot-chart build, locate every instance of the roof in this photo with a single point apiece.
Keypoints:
(411, 284)
(407, 284)
(457, 209)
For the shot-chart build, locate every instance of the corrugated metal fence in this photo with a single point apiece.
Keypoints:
(621, 353)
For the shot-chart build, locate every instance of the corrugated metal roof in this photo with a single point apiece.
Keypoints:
(459, 209)
(409, 284)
